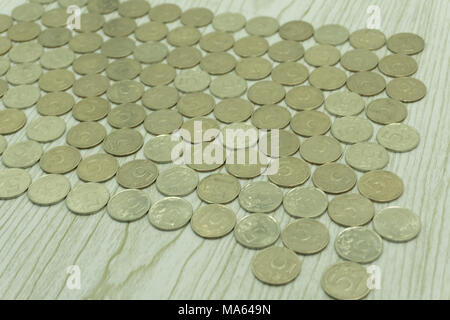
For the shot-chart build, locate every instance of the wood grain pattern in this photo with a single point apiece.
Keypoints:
(136, 261)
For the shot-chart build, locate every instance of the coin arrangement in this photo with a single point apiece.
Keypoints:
(131, 65)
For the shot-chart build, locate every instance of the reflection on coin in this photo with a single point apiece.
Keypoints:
(163, 122)
(366, 156)
(60, 159)
(344, 104)
(137, 174)
(290, 73)
(260, 196)
(128, 115)
(397, 224)
(213, 221)
(49, 189)
(304, 98)
(86, 135)
(177, 181)
(334, 178)
(216, 41)
(279, 143)
(11, 120)
(398, 137)
(352, 129)
(386, 111)
(129, 205)
(405, 43)
(322, 55)
(305, 202)
(262, 26)
(97, 168)
(320, 149)
(228, 86)
(327, 78)
(160, 97)
(276, 265)
(195, 104)
(380, 186)
(123, 142)
(233, 110)
(371, 39)
(229, 22)
(257, 231)
(192, 80)
(359, 60)
(13, 182)
(251, 46)
(170, 213)
(46, 129)
(218, 63)
(358, 244)
(266, 92)
(21, 97)
(398, 65)
(3, 144)
(22, 154)
(310, 123)
(87, 198)
(218, 188)
(296, 30)
(305, 236)
(288, 171)
(366, 83)
(406, 89)
(200, 129)
(91, 109)
(332, 34)
(351, 210)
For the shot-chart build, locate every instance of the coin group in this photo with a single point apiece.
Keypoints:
(133, 66)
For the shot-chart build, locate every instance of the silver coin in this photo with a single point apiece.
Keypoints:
(177, 181)
(260, 196)
(170, 213)
(3, 144)
(163, 149)
(358, 244)
(46, 129)
(257, 231)
(13, 182)
(22, 154)
(87, 198)
(129, 205)
(49, 189)
(397, 224)
(305, 202)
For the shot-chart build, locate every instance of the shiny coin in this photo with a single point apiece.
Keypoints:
(398, 137)
(49, 189)
(200, 129)
(233, 110)
(90, 22)
(239, 136)
(57, 80)
(58, 58)
(262, 26)
(405, 43)
(97, 168)
(406, 89)
(327, 78)
(296, 31)
(25, 73)
(91, 109)
(177, 181)
(86, 135)
(129, 205)
(54, 37)
(128, 115)
(366, 156)
(366, 83)
(266, 92)
(195, 104)
(60, 159)
(163, 122)
(271, 117)
(218, 188)
(27, 12)
(344, 104)
(371, 39)
(310, 123)
(285, 51)
(119, 27)
(103, 6)
(260, 196)
(386, 111)
(123, 142)
(197, 17)
(87, 198)
(11, 120)
(322, 55)
(85, 43)
(184, 57)
(159, 149)
(22, 154)
(55, 104)
(216, 41)
(351, 210)
(137, 174)
(229, 22)
(3, 144)
(305, 236)
(26, 52)
(170, 213)
(380, 186)
(90, 63)
(352, 274)
(150, 52)
(332, 34)
(125, 91)
(245, 163)
(21, 97)
(359, 60)
(254, 68)
(305, 202)
(257, 231)
(151, 31)
(334, 178)
(289, 172)
(352, 129)
(55, 18)
(13, 183)
(118, 47)
(192, 80)
(398, 65)
(358, 244)
(279, 143)
(227, 86)
(397, 224)
(290, 73)
(304, 98)
(158, 74)
(24, 31)
(123, 69)
(320, 149)
(213, 221)
(252, 46)
(160, 97)
(46, 129)
(218, 63)
(204, 156)
(166, 12)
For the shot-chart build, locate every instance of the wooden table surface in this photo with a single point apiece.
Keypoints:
(136, 261)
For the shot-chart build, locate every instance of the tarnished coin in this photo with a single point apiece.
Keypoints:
(322, 55)
(163, 122)
(118, 47)
(366, 156)
(216, 41)
(266, 92)
(85, 43)
(366, 83)
(137, 174)
(192, 80)
(358, 244)
(218, 63)
(166, 12)
(397, 224)
(305, 236)
(334, 178)
(352, 129)
(344, 104)
(91, 109)
(320, 149)
(159, 149)
(359, 60)
(151, 31)
(290, 73)
(271, 117)
(55, 104)
(288, 172)
(213, 221)
(26, 52)
(87, 198)
(170, 213)
(119, 27)
(197, 17)
(304, 98)
(49, 189)
(229, 22)
(123, 142)
(24, 31)
(305, 202)
(380, 186)
(351, 210)
(58, 58)
(55, 18)
(97, 168)
(54, 37)
(129, 205)
(27, 12)
(205, 156)
(296, 30)
(218, 188)
(184, 57)
(123, 69)
(345, 281)
(200, 129)
(405, 43)
(86, 135)
(285, 51)
(46, 129)
(57, 80)
(158, 74)
(21, 97)
(233, 110)
(386, 111)
(227, 86)
(90, 22)
(13, 183)
(254, 68)
(371, 39)
(262, 26)
(177, 181)
(310, 123)
(3, 144)
(196, 104)
(279, 143)
(406, 89)
(183, 36)
(60, 159)
(24, 73)
(327, 78)
(245, 163)
(160, 97)
(11, 120)
(102, 6)
(150, 52)
(90, 63)
(260, 196)
(128, 115)
(22, 154)
(398, 65)
(398, 137)
(251, 46)
(332, 34)
(125, 91)
(257, 231)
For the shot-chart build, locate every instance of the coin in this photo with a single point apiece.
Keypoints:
(123, 69)
(49, 189)
(351, 210)
(406, 89)
(177, 181)
(304, 98)
(90, 63)
(85, 43)
(405, 43)
(371, 39)
(55, 104)
(254, 68)
(359, 60)
(310, 123)
(184, 57)
(192, 80)
(87, 198)
(128, 115)
(322, 55)
(160, 97)
(397, 224)
(159, 149)
(260, 196)
(4, 65)
(129, 205)
(90, 22)
(352, 129)
(57, 80)
(305, 236)
(197, 17)
(163, 122)
(305, 202)
(262, 26)
(118, 47)
(91, 109)
(3, 88)
(183, 36)
(13, 182)
(233, 110)
(24, 31)
(358, 244)
(366, 83)
(218, 188)
(166, 12)
(22, 154)
(345, 281)
(327, 78)
(398, 65)
(103, 6)
(27, 12)
(366, 156)
(11, 120)
(320, 149)
(257, 231)
(199, 129)
(125, 91)
(245, 163)
(5, 22)
(216, 41)
(5, 45)
(334, 178)
(344, 104)
(227, 86)
(86, 135)
(157, 74)
(58, 58)
(151, 31)
(290, 73)
(97, 168)
(285, 51)
(46, 129)
(296, 30)
(195, 104)
(271, 117)
(61, 159)
(218, 63)
(170, 213)
(137, 174)
(21, 97)
(24, 73)
(398, 137)
(123, 142)
(332, 34)
(251, 46)
(380, 186)
(119, 27)
(289, 172)
(239, 136)
(54, 37)
(229, 22)
(278, 143)
(3, 144)
(203, 156)
(67, 3)
(213, 221)
(266, 92)
(55, 18)
(150, 52)
(26, 52)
